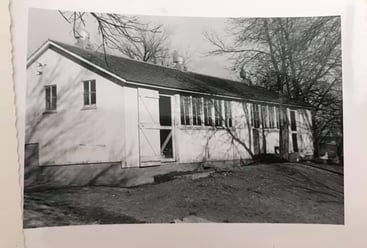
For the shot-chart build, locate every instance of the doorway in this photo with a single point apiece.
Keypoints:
(166, 128)
(156, 143)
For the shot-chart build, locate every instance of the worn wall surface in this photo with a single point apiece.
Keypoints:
(73, 134)
(77, 135)
(199, 143)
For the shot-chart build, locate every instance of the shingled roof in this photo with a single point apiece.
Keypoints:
(159, 76)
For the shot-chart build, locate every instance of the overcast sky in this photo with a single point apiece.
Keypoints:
(186, 34)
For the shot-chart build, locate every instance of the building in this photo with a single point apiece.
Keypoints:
(85, 107)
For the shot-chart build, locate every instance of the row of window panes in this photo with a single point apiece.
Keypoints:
(89, 95)
(266, 116)
(199, 111)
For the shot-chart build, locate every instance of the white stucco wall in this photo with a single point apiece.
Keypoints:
(73, 134)
(196, 144)
(110, 132)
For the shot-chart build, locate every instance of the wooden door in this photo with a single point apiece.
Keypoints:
(149, 131)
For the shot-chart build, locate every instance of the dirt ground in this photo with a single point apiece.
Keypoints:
(271, 193)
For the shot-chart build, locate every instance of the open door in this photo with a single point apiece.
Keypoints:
(166, 128)
(149, 127)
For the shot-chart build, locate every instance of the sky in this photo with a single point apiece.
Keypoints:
(186, 33)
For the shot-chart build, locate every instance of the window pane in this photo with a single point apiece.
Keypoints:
(271, 116)
(264, 116)
(185, 110)
(48, 97)
(196, 110)
(218, 112)
(182, 110)
(256, 115)
(86, 99)
(93, 92)
(228, 113)
(293, 121)
(93, 85)
(165, 118)
(208, 105)
(277, 116)
(86, 92)
(54, 97)
(295, 143)
(93, 98)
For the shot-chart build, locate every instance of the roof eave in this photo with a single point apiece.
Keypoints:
(46, 45)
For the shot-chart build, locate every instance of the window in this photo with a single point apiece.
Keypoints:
(199, 111)
(196, 111)
(264, 116)
(277, 116)
(165, 115)
(218, 112)
(255, 115)
(293, 121)
(271, 117)
(228, 113)
(89, 92)
(294, 142)
(185, 110)
(51, 97)
(208, 106)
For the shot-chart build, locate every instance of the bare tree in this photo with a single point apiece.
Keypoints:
(150, 47)
(293, 56)
(115, 30)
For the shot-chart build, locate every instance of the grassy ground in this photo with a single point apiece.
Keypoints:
(273, 193)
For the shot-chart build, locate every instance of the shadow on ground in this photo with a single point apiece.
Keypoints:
(264, 193)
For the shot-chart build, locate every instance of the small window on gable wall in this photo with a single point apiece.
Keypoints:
(51, 97)
(89, 92)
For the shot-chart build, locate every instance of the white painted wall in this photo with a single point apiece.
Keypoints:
(73, 134)
(196, 144)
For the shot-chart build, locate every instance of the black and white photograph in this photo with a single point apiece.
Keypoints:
(137, 119)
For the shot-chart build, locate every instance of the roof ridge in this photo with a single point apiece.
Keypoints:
(152, 64)
(172, 78)
(113, 55)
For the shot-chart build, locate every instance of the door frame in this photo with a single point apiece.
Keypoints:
(172, 127)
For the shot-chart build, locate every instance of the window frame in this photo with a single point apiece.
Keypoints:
(185, 116)
(197, 109)
(256, 115)
(218, 113)
(51, 98)
(208, 112)
(89, 92)
(228, 120)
